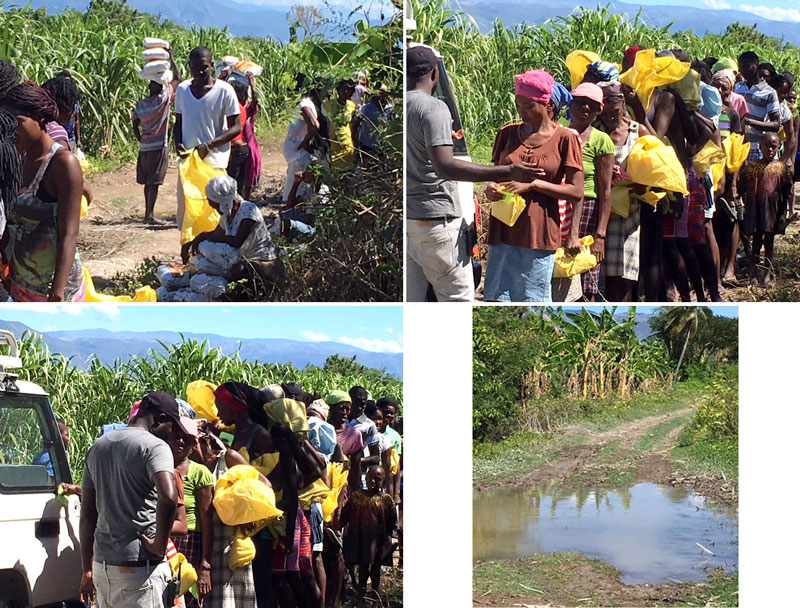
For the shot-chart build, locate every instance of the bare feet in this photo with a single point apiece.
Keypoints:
(154, 221)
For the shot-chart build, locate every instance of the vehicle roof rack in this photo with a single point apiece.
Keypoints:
(12, 360)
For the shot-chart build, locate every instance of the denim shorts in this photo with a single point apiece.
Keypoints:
(517, 274)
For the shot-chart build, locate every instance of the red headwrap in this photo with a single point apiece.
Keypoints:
(231, 397)
(630, 53)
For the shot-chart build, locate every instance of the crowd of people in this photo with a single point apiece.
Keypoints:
(213, 114)
(650, 242)
(157, 492)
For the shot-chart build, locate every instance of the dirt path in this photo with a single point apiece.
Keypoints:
(113, 238)
(630, 453)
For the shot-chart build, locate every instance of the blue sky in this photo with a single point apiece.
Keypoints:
(777, 10)
(373, 328)
(720, 311)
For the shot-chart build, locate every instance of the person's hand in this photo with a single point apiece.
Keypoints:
(185, 250)
(150, 545)
(518, 187)
(298, 177)
(71, 488)
(87, 588)
(202, 150)
(180, 149)
(525, 172)
(599, 247)
(493, 192)
(204, 580)
(56, 296)
(573, 244)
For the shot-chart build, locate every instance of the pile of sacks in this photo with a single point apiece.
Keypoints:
(156, 58)
(189, 283)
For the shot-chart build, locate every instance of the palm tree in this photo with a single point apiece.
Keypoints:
(681, 321)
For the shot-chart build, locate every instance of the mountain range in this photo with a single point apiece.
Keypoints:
(110, 345)
(698, 20)
(242, 19)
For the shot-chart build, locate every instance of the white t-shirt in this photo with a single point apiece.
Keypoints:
(297, 131)
(368, 430)
(207, 118)
(258, 245)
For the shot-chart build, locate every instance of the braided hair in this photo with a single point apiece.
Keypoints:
(8, 77)
(10, 166)
(31, 100)
(63, 90)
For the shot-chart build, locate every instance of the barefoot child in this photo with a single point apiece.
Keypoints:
(368, 519)
(768, 187)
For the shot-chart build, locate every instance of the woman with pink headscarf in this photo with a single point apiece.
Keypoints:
(521, 257)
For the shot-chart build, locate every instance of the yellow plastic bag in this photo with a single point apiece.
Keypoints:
(395, 461)
(240, 498)
(649, 196)
(145, 294)
(264, 464)
(736, 151)
(649, 72)
(290, 413)
(707, 157)
(200, 395)
(198, 215)
(509, 209)
(84, 206)
(187, 572)
(242, 551)
(93, 296)
(315, 492)
(621, 199)
(653, 163)
(577, 62)
(567, 265)
(337, 477)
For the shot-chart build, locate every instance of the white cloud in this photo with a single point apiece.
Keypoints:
(374, 346)
(774, 13)
(110, 311)
(390, 330)
(717, 4)
(313, 336)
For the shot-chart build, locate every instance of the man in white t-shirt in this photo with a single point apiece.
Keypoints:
(206, 116)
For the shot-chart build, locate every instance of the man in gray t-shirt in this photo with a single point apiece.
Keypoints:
(436, 233)
(128, 508)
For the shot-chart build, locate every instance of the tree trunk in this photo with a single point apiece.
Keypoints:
(680, 359)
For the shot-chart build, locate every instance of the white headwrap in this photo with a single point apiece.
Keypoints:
(222, 190)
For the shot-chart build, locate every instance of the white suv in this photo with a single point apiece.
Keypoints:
(40, 557)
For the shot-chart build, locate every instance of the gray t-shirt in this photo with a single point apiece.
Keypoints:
(120, 467)
(428, 124)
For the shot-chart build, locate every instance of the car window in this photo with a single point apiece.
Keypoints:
(445, 92)
(29, 457)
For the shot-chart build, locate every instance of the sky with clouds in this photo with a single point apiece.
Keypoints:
(372, 328)
(777, 10)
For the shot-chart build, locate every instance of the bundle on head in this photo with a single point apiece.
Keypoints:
(31, 100)
(10, 169)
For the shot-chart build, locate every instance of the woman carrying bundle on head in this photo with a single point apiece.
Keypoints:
(40, 242)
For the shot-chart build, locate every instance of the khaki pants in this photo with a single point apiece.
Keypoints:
(437, 253)
(121, 587)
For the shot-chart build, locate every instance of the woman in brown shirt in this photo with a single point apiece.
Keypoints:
(521, 257)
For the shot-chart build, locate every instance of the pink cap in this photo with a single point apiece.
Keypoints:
(134, 410)
(189, 426)
(590, 91)
(536, 85)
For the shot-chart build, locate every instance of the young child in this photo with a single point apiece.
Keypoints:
(368, 519)
(767, 183)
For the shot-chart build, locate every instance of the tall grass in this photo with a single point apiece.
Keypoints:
(482, 66)
(101, 394)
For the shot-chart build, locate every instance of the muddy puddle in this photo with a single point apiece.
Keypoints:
(649, 532)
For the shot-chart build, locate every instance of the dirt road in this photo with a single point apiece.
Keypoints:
(627, 454)
(113, 238)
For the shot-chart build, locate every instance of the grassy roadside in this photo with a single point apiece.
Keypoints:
(496, 462)
(572, 579)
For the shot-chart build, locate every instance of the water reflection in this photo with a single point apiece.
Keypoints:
(650, 532)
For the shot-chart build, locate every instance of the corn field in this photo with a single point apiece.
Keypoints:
(101, 394)
(101, 48)
(482, 66)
